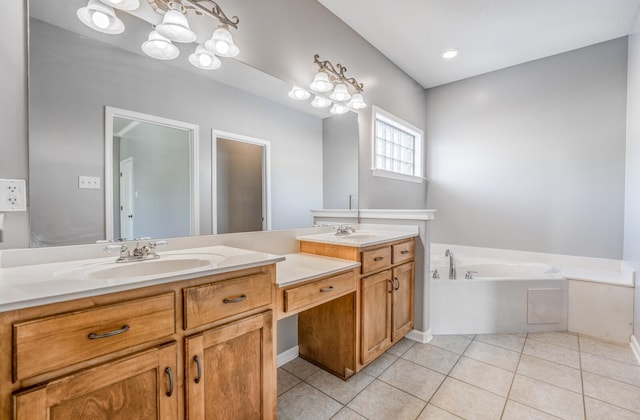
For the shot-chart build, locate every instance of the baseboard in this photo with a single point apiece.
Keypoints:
(420, 336)
(288, 355)
(635, 346)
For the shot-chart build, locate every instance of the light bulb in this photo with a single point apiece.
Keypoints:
(338, 109)
(100, 19)
(449, 54)
(127, 5)
(222, 47)
(357, 101)
(340, 93)
(115, 1)
(320, 102)
(204, 60)
(299, 94)
(159, 47)
(221, 43)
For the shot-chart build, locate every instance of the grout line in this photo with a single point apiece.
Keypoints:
(584, 399)
(515, 372)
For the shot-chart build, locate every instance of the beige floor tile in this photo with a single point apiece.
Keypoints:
(454, 343)
(559, 338)
(336, 388)
(414, 379)
(548, 398)
(382, 401)
(483, 375)
(379, 365)
(401, 347)
(286, 381)
(493, 355)
(611, 391)
(468, 401)
(300, 368)
(431, 412)
(551, 373)
(513, 342)
(432, 357)
(620, 352)
(347, 414)
(598, 410)
(305, 402)
(516, 411)
(563, 355)
(611, 368)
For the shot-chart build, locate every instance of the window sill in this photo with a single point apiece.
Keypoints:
(400, 177)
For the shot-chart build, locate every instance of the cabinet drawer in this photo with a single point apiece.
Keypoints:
(214, 301)
(319, 291)
(376, 259)
(46, 344)
(403, 251)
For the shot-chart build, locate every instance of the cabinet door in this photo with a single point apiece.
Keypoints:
(231, 371)
(141, 387)
(402, 314)
(375, 307)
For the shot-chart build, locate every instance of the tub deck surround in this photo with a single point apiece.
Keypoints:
(40, 284)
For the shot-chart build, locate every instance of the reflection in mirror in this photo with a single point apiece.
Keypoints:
(152, 188)
(75, 72)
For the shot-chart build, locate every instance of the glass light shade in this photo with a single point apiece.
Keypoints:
(320, 102)
(357, 101)
(204, 59)
(175, 27)
(221, 43)
(100, 17)
(321, 82)
(123, 4)
(159, 47)
(338, 109)
(299, 94)
(340, 93)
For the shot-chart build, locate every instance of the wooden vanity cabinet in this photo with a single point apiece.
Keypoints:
(130, 355)
(385, 292)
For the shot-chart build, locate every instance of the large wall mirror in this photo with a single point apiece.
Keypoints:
(75, 73)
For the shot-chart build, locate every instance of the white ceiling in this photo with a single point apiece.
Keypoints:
(490, 34)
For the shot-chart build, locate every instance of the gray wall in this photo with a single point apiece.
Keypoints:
(161, 203)
(632, 202)
(66, 123)
(13, 118)
(340, 160)
(532, 157)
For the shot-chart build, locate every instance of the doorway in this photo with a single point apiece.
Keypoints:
(241, 187)
(126, 199)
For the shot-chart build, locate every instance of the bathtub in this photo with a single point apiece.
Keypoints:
(499, 298)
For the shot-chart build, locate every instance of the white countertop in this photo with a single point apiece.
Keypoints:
(362, 238)
(301, 267)
(40, 284)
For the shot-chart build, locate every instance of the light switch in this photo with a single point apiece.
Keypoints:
(13, 195)
(90, 182)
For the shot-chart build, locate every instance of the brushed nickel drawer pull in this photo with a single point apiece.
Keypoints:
(404, 252)
(390, 286)
(234, 300)
(398, 282)
(95, 336)
(327, 289)
(167, 370)
(378, 259)
(198, 369)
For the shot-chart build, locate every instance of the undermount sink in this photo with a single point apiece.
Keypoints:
(361, 236)
(164, 265)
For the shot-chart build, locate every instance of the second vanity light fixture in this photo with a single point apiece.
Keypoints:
(331, 80)
(100, 16)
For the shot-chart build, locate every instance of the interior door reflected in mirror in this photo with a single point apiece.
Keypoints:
(151, 176)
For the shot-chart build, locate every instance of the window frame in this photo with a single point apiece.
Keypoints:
(400, 124)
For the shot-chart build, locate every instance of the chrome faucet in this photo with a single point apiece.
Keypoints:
(452, 264)
(344, 230)
(145, 252)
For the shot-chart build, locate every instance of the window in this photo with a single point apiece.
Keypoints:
(397, 148)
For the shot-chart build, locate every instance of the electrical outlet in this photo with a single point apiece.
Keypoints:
(89, 182)
(13, 195)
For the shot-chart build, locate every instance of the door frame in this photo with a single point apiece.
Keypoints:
(194, 160)
(266, 175)
(127, 161)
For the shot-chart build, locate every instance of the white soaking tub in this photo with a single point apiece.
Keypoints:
(498, 298)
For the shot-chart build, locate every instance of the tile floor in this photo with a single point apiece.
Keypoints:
(505, 376)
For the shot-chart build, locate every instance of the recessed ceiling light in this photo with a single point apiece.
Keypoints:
(449, 54)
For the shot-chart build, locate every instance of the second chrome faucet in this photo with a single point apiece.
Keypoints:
(452, 264)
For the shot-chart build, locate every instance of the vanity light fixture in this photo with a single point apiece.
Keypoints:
(100, 16)
(330, 78)
(298, 93)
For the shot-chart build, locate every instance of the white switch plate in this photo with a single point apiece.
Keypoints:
(13, 195)
(90, 182)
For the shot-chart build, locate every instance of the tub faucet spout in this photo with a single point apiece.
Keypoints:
(452, 264)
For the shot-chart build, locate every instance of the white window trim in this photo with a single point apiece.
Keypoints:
(401, 124)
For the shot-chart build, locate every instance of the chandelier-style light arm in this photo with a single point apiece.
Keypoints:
(214, 10)
(338, 74)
